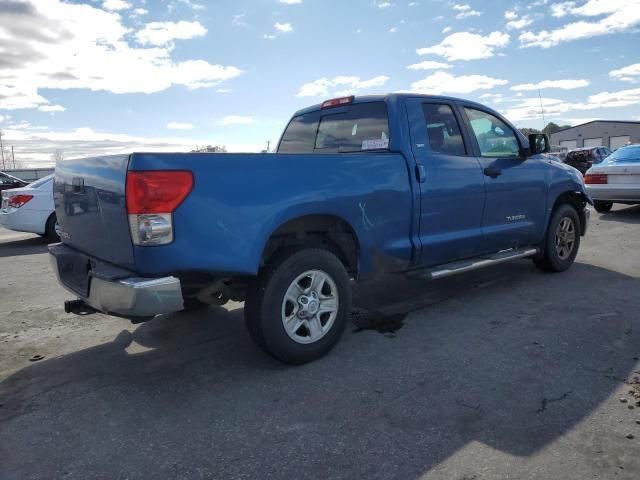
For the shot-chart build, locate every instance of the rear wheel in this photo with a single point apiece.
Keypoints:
(602, 207)
(52, 229)
(562, 240)
(299, 306)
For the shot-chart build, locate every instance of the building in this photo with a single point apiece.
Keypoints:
(29, 174)
(598, 133)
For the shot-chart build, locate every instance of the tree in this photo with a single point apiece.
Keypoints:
(210, 149)
(528, 131)
(553, 128)
(57, 155)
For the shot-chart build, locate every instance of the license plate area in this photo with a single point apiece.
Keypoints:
(74, 269)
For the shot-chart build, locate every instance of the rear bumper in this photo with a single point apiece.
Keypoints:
(615, 192)
(129, 297)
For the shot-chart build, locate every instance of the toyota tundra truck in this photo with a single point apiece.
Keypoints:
(359, 187)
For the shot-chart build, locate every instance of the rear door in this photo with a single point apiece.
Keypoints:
(516, 187)
(451, 183)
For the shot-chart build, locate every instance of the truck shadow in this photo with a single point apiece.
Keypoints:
(509, 357)
(28, 246)
(625, 214)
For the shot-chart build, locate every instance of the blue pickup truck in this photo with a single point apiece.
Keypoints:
(358, 187)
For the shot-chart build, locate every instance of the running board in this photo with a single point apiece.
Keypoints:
(454, 268)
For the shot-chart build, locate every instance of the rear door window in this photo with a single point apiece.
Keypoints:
(361, 127)
(300, 135)
(443, 129)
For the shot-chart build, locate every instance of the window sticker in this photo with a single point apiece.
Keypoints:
(376, 144)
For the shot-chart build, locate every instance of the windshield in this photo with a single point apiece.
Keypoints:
(630, 154)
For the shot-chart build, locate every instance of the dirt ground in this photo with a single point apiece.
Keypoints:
(504, 373)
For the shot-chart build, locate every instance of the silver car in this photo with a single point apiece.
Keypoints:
(616, 179)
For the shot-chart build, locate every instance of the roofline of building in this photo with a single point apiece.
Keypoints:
(633, 122)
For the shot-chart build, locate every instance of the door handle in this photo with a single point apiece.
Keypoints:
(492, 172)
(421, 173)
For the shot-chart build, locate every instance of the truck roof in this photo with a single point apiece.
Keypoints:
(391, 97)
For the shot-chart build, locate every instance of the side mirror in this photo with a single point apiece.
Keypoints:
(539, 143)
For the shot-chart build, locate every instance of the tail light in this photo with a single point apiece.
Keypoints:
(337, 102)
(16, 201)
(596, 179)
(152, 197)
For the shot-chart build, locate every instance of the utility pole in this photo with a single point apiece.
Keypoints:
(13, 157)
(544, 124)
(268, 145)
(2, 151)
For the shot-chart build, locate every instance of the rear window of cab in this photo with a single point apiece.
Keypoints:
(359, 127)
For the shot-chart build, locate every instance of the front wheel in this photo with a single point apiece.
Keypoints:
(562, 240)
(52, 229)
(299, 306)
(602, 207)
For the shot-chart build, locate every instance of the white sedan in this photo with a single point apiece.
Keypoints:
(616, 179)
(30, 209)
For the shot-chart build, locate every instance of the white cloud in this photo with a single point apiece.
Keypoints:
(510, 15)
(268, 36)
(465, 11)
(446, 29)
(560, 84)
(562, 9)
(51, 108)
(429, 65)
(283, 27)
(163, 33)
(323, 86)
(413, 4)
(115, 5)
(224, 90)
(291, 2)
(393, 30)
(236, 120)
(630, 73)
(529, 108)
(619, 16)
(382, 5)
(443, 82)
(517, 24)
(467, 46)
(50, 44)
(179, 126)
(137, 12)
(34, 144)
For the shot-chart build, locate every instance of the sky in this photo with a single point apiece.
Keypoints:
(96, 77)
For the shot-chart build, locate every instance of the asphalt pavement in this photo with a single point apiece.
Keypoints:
(503, 373)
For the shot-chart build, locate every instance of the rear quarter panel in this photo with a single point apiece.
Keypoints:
(239, 200)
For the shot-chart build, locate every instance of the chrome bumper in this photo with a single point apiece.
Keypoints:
(131, 297)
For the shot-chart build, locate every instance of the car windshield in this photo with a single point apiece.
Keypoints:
(630, 154)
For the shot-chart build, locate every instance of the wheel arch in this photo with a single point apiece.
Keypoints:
(578, 200)
(315, 230)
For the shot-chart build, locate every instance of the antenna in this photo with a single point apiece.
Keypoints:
(541, 109)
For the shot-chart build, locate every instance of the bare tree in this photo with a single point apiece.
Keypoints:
(57, 155)
(210, 149)
(4, 166)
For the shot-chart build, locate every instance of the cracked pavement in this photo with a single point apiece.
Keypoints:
(501, 373)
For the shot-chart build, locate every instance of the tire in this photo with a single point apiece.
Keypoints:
(562, 240)
(602, 207)
(318, 305)
(50, 228)
(192, 304)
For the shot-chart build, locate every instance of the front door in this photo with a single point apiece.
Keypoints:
(516, 187)
(451, 184)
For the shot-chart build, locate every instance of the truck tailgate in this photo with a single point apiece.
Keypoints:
(89, 198)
